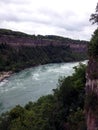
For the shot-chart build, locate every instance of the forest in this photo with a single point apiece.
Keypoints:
(20, 57)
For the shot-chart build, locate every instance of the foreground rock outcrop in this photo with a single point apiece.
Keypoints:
(91, 103)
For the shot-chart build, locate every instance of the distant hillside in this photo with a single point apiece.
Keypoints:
(18, 38)
(19, 50)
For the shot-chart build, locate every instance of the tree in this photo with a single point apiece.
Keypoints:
(94, 16)
(93, 45)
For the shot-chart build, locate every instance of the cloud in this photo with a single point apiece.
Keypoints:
(14, 1)
(65, 18)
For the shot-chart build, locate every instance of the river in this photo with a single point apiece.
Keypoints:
(30, 84)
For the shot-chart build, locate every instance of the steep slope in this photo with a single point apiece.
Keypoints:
(19, 50)
(15, 38)
(91, 105)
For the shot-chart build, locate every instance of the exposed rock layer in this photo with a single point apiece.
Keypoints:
(92, 93)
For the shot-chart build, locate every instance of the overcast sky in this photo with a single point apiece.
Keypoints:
(68, 18)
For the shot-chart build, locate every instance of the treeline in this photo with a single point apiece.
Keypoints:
(61, 111)
(14, 33)
(17, 34)
(20, 57)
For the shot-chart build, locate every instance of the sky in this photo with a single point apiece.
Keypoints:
(68, 18)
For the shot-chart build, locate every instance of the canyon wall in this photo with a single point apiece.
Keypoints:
(91, 103)
(21, 39)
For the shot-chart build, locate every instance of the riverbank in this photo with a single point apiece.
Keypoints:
(4, 75)
(31, 83)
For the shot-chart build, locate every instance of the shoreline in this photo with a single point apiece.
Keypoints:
(4, 75)
(7, 74)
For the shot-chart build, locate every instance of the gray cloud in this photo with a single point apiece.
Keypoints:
(14, 1)
(43, 17)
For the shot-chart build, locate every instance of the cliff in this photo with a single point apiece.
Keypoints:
(15, 38)
(91, 103)
(92, 95)
(19, 50)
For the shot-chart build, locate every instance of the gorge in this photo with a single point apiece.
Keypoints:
(67, 113)
(31, 84)
(19, 50)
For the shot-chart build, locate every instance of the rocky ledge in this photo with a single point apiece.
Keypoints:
(4, 75)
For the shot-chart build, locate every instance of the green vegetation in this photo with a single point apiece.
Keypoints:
(18, 58)
(94, 16)
(93, 45)
(7, 32)
(19, 50)
(15, 33)
(61, 111)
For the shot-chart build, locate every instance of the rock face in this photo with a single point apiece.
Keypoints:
(91, 105)
(21, 39)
